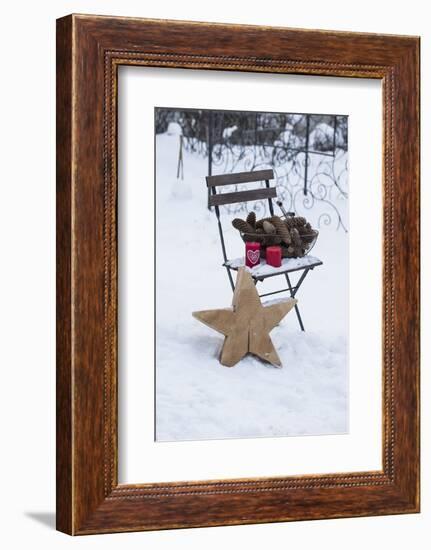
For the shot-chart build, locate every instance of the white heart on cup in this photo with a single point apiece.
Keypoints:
(253, 256)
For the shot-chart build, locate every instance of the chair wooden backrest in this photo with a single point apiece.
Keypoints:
(219, 199)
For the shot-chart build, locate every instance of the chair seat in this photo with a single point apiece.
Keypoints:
(263, 270)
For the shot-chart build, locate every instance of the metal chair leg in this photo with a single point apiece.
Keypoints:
(293, 292)
(229, 274)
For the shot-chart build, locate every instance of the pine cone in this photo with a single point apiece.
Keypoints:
(268, 228)
(296, 238)
(295, 221)
(259, 223)
(242, 226)
(273, 240)
(251, 219)
(289, 252)
(281, 229)
(297, 243)
(309, 237)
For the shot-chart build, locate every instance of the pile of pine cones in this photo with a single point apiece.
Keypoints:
(294, 234)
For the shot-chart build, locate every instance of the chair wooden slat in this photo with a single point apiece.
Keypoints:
(242, 196)
(240, 177)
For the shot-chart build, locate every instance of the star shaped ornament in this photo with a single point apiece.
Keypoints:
(247, 324)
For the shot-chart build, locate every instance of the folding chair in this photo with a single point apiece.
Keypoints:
(259, 273)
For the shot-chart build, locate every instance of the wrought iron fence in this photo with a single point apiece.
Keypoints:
(307, 152)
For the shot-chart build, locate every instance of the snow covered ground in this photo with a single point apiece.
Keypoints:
(197, 398)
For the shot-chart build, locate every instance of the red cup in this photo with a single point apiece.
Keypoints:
(252, 254)
(273, 256)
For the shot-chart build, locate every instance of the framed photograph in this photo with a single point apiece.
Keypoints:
(237, 274)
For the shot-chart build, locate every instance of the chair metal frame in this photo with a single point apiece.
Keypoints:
(216, 200)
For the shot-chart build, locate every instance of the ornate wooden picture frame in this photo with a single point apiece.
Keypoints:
(89, 51)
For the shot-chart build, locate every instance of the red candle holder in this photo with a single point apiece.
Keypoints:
(252, 254)
(273, 256)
